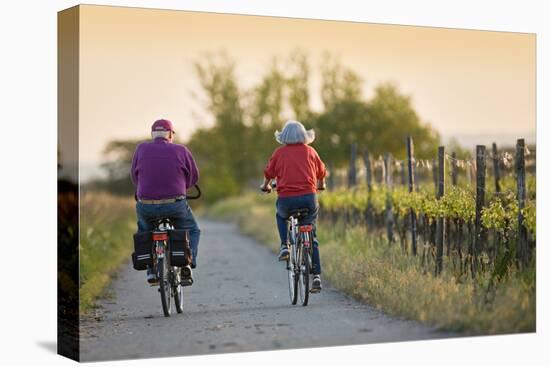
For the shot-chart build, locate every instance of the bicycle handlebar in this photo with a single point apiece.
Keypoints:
(274, 185)
(199, 193)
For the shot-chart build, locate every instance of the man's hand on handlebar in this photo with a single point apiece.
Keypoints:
(321, 185)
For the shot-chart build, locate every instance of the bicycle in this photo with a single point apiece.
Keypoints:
(299, 264)
(300, 246)
(169, 277)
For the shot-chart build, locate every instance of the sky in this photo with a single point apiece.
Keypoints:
(136, 65)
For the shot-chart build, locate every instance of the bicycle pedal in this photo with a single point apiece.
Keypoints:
(186, 282)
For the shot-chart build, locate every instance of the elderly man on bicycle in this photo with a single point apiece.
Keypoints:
(162, 172)
(299, 173)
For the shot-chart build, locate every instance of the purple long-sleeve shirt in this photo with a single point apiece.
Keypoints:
(163, 170)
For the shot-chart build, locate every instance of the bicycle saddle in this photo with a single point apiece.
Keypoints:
(299, 213)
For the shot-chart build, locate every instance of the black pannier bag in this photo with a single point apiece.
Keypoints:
(143, 248)
(180, 252)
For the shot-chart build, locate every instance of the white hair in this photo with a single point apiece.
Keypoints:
(293, 133)
(160, 134)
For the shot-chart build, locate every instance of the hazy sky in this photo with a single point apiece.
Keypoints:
(136, 66)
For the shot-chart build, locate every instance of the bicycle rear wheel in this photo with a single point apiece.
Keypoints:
(164, 286)
(303, 282)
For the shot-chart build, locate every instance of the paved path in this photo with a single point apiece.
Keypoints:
(239, 302)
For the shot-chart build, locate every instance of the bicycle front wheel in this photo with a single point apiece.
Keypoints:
(292, 277)
(178, 289)
(164, 286)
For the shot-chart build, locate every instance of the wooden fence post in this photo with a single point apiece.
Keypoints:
(469, 172)
(522, 250)
(496, 168)
(440, 231)
(352, 172)
(496, 174)
(389, 184)
(403, 173)
(412, 214)
(454, 169)
(434, 175)
(368, 169)
(454, 182)
(480, 202)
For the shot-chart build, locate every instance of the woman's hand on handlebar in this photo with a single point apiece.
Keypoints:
(266, 186)
(321, 185)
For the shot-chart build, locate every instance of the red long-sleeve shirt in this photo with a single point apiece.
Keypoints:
(297, 168)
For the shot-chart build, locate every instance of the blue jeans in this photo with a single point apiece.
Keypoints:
(287, 204)
(180, 215)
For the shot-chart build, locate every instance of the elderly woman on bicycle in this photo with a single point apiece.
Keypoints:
(299, 173)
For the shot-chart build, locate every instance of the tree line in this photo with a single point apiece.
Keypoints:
(232, 152)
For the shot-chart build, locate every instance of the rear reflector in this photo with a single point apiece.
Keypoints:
(160, 236)
(306, 228)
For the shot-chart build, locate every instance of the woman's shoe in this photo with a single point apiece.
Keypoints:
(283, 253)
(316, 284)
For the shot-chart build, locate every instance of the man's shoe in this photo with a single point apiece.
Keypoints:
(151, 276)
(316, 284)
(186, 276)
(283, 253)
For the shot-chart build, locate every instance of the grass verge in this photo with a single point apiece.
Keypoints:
(107, 224)
(367, 268)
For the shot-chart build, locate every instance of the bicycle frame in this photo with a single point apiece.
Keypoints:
(299, 234)
(169, 276)
(160, 240)
(299, 264)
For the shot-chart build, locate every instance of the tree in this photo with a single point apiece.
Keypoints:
(380, 125)
(118, 155)
(339, 84)
(298, 85)
(223, 152)
(346, 122)
(393, 118)
(266, 113)
(232, 153)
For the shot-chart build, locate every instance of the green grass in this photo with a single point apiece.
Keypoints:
(366, 267)
(106, 242)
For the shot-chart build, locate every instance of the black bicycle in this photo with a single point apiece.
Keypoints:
(169, 276)
(299, 263)
(300, 246)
